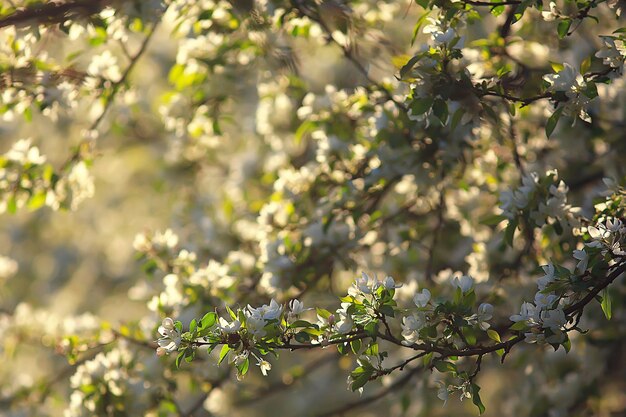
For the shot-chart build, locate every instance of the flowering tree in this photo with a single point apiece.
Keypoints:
(209, 203)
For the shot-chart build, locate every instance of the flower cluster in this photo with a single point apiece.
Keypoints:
(539, 201)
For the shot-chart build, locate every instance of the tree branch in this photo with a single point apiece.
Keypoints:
(53, 12)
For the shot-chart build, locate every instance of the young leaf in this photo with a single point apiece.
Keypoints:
(563, 28)
(606, 303)
(493, 335)
(476, 398)
(223, 353)
(208, 320)
(553, 120)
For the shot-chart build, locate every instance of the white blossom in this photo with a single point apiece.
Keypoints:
(421, 298)
(548, 278)
(265, 366)
(229, 327)
(170, 337)
(411, 325)
(390, 284)
(266, 312)
(465, 283)
(583, 259)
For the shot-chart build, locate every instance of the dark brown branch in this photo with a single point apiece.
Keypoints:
(53, 12)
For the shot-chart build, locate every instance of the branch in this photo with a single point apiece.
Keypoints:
(116, 86)
(375, 397)
(348, 54)
(53, 12)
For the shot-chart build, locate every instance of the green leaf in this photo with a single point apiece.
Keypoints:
(302, 337)
(360, 376)
(409, 66)
(440, 109)
(355, 345)
(509, 232)
(372, 349)
(36, 201)
(476, 398)
(493, 335)
(445, 366)
(519, 326)
(193, 325)
(421, 105)
(179, 358)
(606, 303)
(243, 368)
(303, 129)
(208, 320)
(12, 205)
(300, 323)
(563, 28)
(371, 328)
(492, 220)
(223, 353)
(456, 118)
(232, 314)
(553, 120)
(323, 313)
(585, 65)
(567, 345)
(418, 25)
(557, 66)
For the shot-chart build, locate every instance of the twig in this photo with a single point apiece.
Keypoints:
(375, 397)
(53, 12)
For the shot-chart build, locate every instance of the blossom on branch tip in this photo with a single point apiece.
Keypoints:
(422, 298)
(170, 337)
(229, 327)
(485, 313)
(266, 312)
(465, 283)
(265, 366)
(297, 307)
(390, 284)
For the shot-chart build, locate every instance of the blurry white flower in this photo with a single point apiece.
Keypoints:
(364, 284)
(390, 284)
(528, 313)
(466, 283)
(8, 267)
(438, 33)
(548, 278)
(568, 80)
(553, 319)
(442, 392)
(345, 323)
(583, 259)
(421, 298)
(551, 14)
(544, 301)
(485, 313)
(296, 307)
(411, 325)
